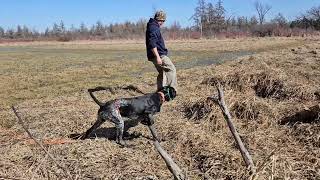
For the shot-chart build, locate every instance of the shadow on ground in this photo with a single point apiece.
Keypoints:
(110, 132)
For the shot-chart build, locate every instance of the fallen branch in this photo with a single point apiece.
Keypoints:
(65, 171)
(172, 166)
(244, 152)
(154, 133)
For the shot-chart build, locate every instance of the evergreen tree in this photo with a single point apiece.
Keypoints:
(25, 32)
(200, 15)
(56, 30)
(47, 33)
(18, 33)
(83, 29)
(62, 27)
(99, 29)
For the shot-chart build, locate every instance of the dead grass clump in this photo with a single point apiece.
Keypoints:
(281, 87)
(307, 134)
(237, 81)
(304, 126)
(198, 110)
(247, 109)
(209, 157)
(6, 118)
(265, 84)
(268, 87)
(212, 165)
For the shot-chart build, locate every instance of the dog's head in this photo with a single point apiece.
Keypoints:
(169, 93)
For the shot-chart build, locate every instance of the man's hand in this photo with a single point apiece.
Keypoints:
(159, 61)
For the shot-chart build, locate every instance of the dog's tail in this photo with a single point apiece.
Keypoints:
(93, 97)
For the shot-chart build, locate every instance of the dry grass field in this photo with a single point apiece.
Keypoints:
(271, 85)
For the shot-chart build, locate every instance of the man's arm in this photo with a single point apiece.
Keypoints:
(152, 38)
(156, 54)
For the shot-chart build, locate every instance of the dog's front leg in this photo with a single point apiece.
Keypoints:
(119, 122)
(94, 127)
(120, 129)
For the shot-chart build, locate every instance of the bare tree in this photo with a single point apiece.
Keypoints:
(280, 20)
(253, 21)
(314, 13)
(262, 10)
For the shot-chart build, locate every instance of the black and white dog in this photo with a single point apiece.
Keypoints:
(143, 107)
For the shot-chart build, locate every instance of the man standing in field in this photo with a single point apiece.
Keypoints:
(157, 52)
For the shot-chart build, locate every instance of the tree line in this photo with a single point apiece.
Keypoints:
(209, 21)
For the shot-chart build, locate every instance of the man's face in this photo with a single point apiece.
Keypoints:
(160, 23)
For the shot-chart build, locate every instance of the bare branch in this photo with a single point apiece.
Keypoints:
(244, 152)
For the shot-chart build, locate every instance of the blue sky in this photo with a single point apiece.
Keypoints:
(39, 14)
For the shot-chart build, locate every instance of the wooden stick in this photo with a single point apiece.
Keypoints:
(244, 152)
(65, 171)
(172, 166)
(154, 133)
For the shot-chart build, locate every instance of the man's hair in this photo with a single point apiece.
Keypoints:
(160, 16)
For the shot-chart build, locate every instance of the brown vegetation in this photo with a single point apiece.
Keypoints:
(273, 97)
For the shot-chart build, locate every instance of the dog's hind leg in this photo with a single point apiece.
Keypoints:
(93, 128)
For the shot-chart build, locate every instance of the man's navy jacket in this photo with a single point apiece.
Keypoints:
(154, 39)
